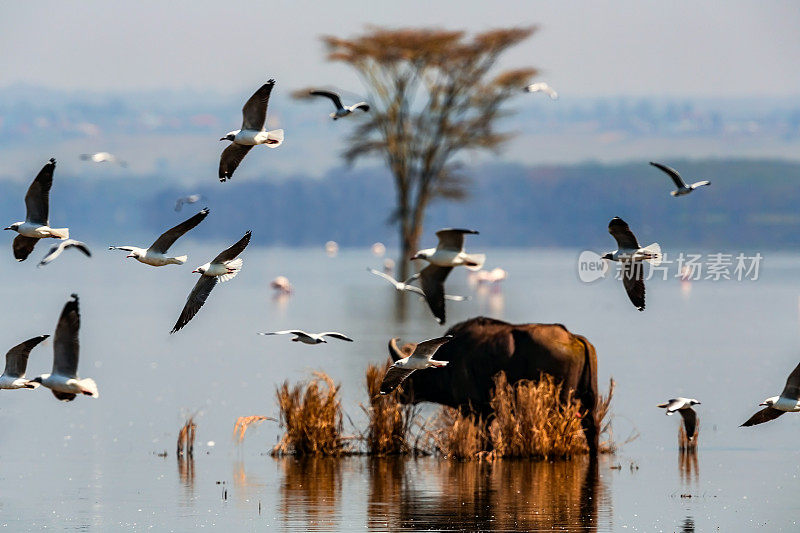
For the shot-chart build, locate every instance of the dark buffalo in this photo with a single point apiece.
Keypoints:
(481, 347)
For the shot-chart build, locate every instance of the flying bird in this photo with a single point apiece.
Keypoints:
(631, 255)
(543, 88)
(422, 357)
(252, 133)
(403, 286)
(16, 362)
(63, 381)
(156, 254)
(37, 218)
(448, 253)
(191, 199)
(682, 189)
(310, 338)
(684, 407)
(57, 248)
(341, 110)
(103, 157)
(775, 406)
(222, 268)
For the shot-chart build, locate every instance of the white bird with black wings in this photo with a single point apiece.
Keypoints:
(683, 406)
(405, 287)
(631, 255)
(156, 254)
(17, 362)
(222, 268)
(448, 253)
(252, 133)
(56, 250)
(37, 218)
(310, 338)
(682, 189)
(63, 381)
(422, 357)
(787, 402)
(341, 110)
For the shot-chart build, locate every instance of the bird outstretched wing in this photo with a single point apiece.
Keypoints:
(254, 112)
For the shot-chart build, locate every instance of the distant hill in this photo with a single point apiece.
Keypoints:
(175, 133)
(750, 204)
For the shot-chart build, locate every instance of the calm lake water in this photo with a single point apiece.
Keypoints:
(94, 464)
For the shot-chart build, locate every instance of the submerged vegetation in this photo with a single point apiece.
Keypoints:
(530, 420)
(185, 446)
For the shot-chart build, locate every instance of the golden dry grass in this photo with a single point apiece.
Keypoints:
(389, 421)
(311, 414)
(186, 438)
(604, 418)
(459, 436)
(244, 422)
(529, 420)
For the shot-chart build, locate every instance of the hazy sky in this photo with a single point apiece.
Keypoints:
(637, 47)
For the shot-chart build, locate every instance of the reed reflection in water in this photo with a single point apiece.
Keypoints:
(311, 491)
(436, 494)
(510, 495)
(688, 468)
(186, 476)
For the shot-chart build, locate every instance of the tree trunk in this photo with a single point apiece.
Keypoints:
(408, 246)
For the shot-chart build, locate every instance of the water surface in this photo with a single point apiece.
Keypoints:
(94, 464)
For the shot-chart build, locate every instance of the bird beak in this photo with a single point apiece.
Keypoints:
(223, 138)
(195, 271)
(8, 228)
(129, 256)
(762, 404)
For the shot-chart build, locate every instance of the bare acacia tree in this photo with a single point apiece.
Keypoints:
(433, 95)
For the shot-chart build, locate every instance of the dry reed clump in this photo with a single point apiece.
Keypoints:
(244, 422)
(529, 420)
(604, 419)
(186, 438)
(390, 422)
(459, 436)
(311, 413)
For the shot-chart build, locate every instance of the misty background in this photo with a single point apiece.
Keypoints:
(713, 92)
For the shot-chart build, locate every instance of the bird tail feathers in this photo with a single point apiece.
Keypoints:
(474, 261)
(89, 387)
(652, 254)
(181, 259)
(438, 364)
(274, 138)
(233, 266)
(60, 233)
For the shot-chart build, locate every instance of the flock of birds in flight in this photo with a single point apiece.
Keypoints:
(448, 254)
